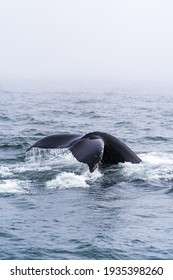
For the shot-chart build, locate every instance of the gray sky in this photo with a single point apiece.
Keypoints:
(87, 40)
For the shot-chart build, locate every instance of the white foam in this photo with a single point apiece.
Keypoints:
(158, 159)
(154, 166)
(92, 176)
(5, 171)
(47, 159)
(66, 180)
(10, 186)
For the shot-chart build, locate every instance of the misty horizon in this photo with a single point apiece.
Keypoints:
(80, 41)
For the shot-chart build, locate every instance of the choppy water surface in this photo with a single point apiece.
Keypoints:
(51, 207)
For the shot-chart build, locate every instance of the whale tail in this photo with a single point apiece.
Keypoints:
(56, 141)
(94, 148)
(86, 150)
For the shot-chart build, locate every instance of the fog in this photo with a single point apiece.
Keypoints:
(87, 40)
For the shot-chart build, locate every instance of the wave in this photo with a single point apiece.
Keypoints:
(13, 186)
(58, 169)
(155, 167)
(157, 138)
(66, 180)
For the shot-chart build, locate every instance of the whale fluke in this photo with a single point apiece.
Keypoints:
(64, 140)
(94, 149)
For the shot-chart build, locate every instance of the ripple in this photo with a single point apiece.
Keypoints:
(51, 207)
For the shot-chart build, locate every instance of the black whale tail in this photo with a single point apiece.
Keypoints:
(93, 148)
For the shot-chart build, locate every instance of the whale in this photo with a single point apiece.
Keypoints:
(94, 149)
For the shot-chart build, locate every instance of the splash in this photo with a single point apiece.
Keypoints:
(5, 171)
(66, 180)
(12, 186)
(154, 166)
(55, 170)
(48, 159)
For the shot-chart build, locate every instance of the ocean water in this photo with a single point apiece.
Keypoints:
(52, 207)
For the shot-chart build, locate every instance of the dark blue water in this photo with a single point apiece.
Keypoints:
(51, 207)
